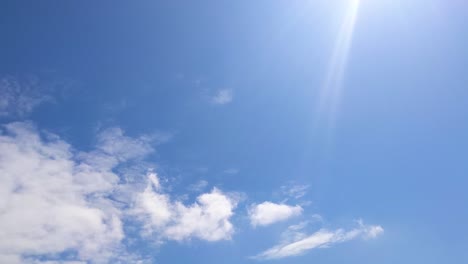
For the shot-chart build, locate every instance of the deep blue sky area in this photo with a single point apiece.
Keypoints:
(276, 131)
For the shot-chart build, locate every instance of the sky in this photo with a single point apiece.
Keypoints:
(269, 131)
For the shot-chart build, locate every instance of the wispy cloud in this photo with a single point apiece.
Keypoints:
(223, 96)
(198, 186)
(295, 191)
(231, 171)
(268, 213)
(19, 97)
(295, 242)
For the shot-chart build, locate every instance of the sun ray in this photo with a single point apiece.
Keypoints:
(331, 91)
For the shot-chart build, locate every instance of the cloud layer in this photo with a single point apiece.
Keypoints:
(56, 201)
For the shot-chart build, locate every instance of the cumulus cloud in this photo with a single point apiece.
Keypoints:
(295, 242)
(268, 213)
(19, 97)
(208, 218)
(223, 96)
(53, 199)
(56, 200)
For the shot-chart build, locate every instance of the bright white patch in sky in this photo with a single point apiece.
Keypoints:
(297, 243)
(268, 213)
(223, 96)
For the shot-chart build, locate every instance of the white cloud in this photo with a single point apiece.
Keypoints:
(296, 243)
(223, 96)
(207, 219)
(153, 204)
(20, 97)
(44, 201)
(268, 213)
(53, 199)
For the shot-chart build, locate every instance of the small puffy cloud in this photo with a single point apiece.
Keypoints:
(295, 242)
(208, 218)
(268, 213)
(223, 96)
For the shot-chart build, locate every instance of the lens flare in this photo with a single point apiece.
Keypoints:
(331, 91)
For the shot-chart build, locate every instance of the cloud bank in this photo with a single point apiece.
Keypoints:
(59, 203)
(55, 200)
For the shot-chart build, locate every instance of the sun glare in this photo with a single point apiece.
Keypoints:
(331, 91)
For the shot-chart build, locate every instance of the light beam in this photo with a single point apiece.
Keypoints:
(331, 91)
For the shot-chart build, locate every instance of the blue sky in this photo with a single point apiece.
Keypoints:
(234, 131)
